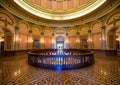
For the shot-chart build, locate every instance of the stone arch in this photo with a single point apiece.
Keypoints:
(9, 17)
(117, 23)
(7, 24)
(61, 38)
(60, 42)
(23, 27)
(72, 31)
(112, 21)
(47, 31)
(111, 38)
(84, 29)
(110, 18)
(7, 21)
(112, 25)
(96, 26)
(23, 35)
(7, 37)
(60, 30)
(36, 30)
(36, 33)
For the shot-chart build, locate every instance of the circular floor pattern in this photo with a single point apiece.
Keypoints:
(16, 71)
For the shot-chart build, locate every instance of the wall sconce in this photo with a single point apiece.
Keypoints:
(67, 41)
(42, 40)
(77, 40)
(103, 38)
(16, 39)
(53, 41)
(118, 39)
(89, 40)
(1, 40)
(30, 40)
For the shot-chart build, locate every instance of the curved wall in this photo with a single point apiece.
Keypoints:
(81, 35)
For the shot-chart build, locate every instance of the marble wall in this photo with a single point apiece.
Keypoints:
(72, 42)
(22, 42)
(97, 41)
(109, 22)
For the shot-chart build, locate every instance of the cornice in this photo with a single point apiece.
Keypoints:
(37, 11)
(19, 14)
(99, 14)
(90, 18)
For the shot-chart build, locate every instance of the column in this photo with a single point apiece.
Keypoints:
(53, 38)
(16, 38)
(0, 48)
(67, 41)
(77, 37)
(53, 41)
(103, 38)
(119, 45)
(30, 40)
(77, 40)
(1, 40)
(89, 39)
(42, 42)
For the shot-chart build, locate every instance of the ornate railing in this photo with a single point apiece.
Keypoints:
(60, 59)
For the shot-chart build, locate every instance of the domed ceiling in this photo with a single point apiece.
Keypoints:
(59, 9)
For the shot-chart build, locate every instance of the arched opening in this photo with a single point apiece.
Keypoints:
(112, 33)
(60, 42)
(118, 40)
(7, 33)
(113, 40)
(2, 35)
(6, 41)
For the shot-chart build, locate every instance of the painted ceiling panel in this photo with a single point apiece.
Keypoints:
(59, 9)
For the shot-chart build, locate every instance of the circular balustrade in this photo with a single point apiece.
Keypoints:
(60, 59)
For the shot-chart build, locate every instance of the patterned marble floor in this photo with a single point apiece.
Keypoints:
(15, 71)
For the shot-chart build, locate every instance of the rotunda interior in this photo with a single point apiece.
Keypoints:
(27, 25)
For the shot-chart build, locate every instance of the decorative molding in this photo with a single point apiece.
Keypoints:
(87, 19)
(60, 31)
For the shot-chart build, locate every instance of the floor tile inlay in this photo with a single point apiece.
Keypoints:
(16, 71)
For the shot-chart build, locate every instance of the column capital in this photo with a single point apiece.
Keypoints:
(77, 33)
(42, 26)
(53, 27)
(67, 34)
(42, 33)
(103, 27)
(30, 31)
(16, 28)
(66, 27)
(77, 26)
(89, 31)
(53, 34)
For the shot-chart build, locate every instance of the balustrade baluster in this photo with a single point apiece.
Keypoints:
(67, 59)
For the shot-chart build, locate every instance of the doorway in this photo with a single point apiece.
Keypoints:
(60, 43)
